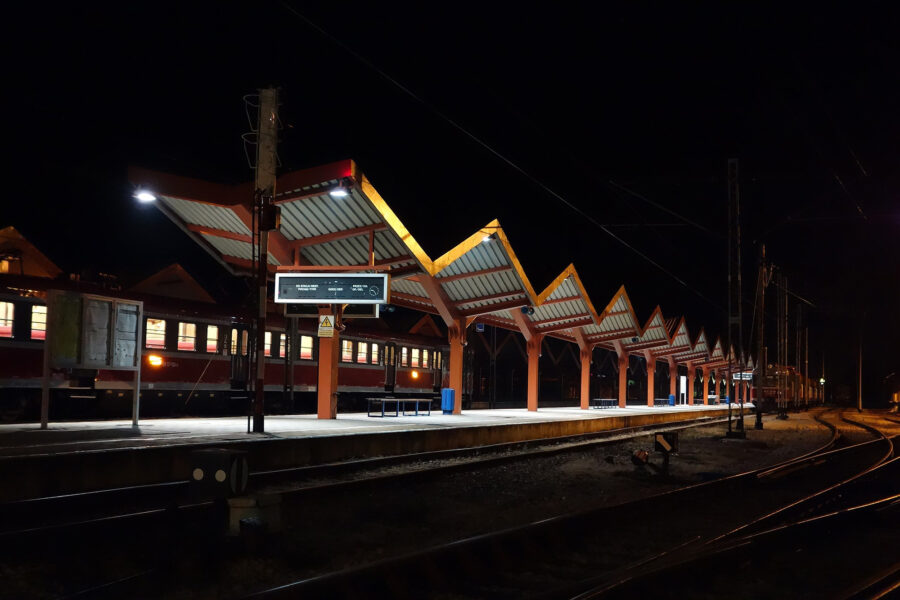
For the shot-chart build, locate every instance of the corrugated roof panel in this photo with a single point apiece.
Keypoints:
(405, 286)
(565, 290)
(557, 310)
(477, 259)
(481, 285)
(234, 248)
(592, 329)
(207, 215)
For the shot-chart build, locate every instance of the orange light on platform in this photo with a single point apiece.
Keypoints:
(415, 374)
(155, 360)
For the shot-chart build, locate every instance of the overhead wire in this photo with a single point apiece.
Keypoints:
(497, 154)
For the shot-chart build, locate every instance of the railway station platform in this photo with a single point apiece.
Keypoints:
(72, 457)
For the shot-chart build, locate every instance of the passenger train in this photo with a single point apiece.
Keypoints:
(197, 359)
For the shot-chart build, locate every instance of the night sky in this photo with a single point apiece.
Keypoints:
(630, 113)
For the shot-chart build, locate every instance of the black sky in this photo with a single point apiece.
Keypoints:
(649, 98)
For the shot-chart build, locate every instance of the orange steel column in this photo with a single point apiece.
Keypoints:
(692, 375)
(651, 378)
(329, 352)
(673, 378)
(586, 378)
(534, 355)
(705, 385)
(623, 379)
(456, 336)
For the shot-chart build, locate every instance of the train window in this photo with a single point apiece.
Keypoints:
(306, 347)
(187, 336)
(234, 340)
(436, 360)
(346, 351)
(212, 338)
(267, 345)
(282, 346)
(404, 356)
(374, 359)
(155, 333)
(362, 352)
(424, 359)
(245, 337)
(38, 322)
(414, 360)
(6, 319)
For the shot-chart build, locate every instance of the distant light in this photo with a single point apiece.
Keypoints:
(486, 238)
(415, 374)
(155, 360)
(822, 380)
(145, 196)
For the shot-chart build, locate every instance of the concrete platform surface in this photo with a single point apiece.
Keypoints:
(25, 439)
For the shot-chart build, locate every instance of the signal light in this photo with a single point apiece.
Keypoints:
(154, 360)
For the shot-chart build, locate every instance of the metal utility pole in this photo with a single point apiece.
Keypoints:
(760, 376)
(859, 386)
(806, 386)
(267, 139)
(797, 353)
(735, 314)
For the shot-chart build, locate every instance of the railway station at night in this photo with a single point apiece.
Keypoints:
(433, 303)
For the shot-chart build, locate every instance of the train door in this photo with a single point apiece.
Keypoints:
(239, 349)
(437, 370)
(390, 366)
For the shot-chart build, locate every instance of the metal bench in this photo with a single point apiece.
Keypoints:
(393, 407)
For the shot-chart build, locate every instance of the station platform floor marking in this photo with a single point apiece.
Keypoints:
(20, 439)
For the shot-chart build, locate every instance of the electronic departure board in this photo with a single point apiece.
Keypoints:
(331, 288)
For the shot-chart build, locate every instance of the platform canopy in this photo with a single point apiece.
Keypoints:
(479, 279)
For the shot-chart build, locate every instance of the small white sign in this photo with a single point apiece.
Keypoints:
(326, 325)
(742, 376)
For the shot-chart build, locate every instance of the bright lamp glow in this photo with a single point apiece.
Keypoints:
(144, 196)
(415, 374)
(339, 192)
(486, 238)
(155, 360)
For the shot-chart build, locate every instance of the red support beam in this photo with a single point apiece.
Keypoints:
(558, 319)
(608, 336)
(228, 235)
(534, 354)
(567, 325)
(491, 297)
(409, 297)
(491, 308)
(405, 272)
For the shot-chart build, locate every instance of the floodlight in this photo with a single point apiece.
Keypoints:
(145, 196)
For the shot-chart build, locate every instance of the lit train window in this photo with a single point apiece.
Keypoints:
(6, 319)
(374, 360)
(424, 359)
(404, 356)
(306, 347)
(414, 361)
(282, 345)
(212, 338)
(362, 352)
(187, 336)
(245, 336)
(38, 322)
(437, 360)
(267, 345)
(156, 333)
(346, 351)
(234, 340)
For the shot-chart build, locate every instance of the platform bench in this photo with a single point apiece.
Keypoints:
(392, 407)
(603, 403)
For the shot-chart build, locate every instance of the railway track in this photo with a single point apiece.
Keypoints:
(48, 515)
(420, 574)
(564, 556)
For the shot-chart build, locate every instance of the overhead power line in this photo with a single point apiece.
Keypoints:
(368, 63)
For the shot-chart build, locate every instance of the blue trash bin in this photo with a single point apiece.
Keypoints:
(727, 399)
(448, 397)
(671, 399)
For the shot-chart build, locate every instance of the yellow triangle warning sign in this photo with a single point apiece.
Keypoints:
(325, 322)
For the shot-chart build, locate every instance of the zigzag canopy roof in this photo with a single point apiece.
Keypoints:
(479, 279)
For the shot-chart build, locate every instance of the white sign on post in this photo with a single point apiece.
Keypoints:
(326, 325)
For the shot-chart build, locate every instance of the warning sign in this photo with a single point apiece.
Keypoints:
(326, 325)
